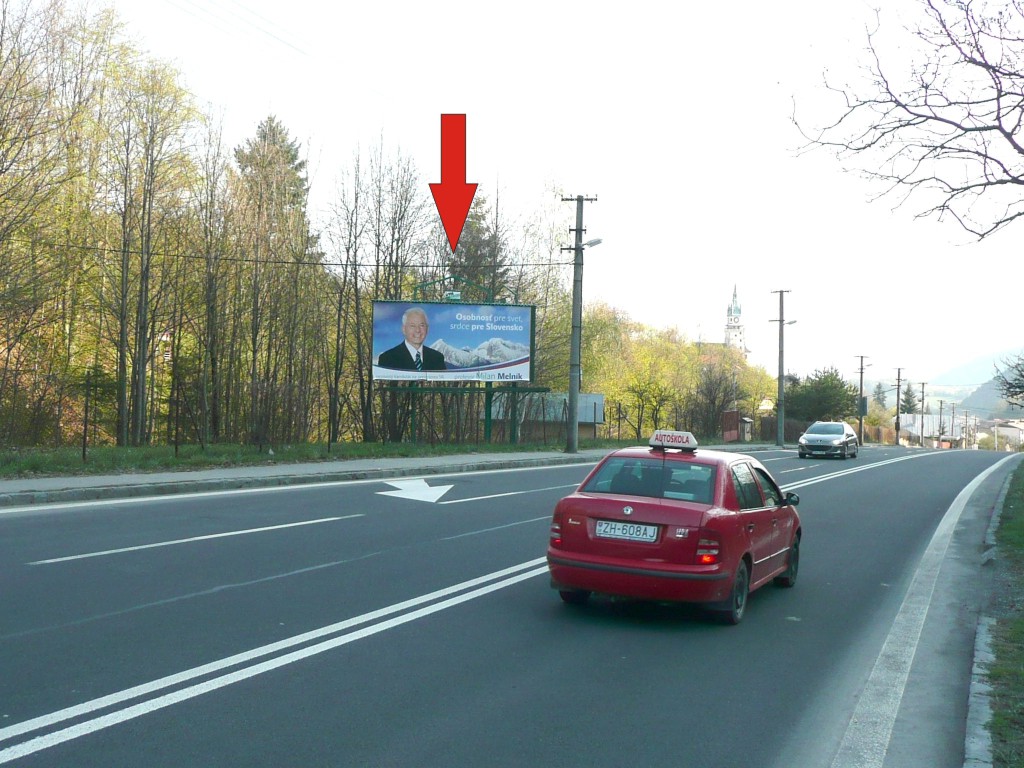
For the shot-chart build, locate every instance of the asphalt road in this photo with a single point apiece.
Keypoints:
(339, 626)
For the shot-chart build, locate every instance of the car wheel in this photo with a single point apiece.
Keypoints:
(788, 577)
(574, 596)
(737, 605)
(846, 453)
(856, 450)
(801, 455)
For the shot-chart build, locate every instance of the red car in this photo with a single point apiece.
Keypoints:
(675, 523)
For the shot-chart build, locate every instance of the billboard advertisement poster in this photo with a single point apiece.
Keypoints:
(435, 341)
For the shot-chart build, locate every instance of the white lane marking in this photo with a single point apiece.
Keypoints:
(414, 489)
(146, 707)
(495, 528)
(417, 490)
(192, 539)
(510, 493)
(170, 497)
(505, 577)
(854, 470)
(867, 736)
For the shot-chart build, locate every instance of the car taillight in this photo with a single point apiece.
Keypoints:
(556, 534)
(707, 551)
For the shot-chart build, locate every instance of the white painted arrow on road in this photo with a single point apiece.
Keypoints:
(418, 490)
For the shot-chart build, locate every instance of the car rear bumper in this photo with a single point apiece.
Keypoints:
(689, 584)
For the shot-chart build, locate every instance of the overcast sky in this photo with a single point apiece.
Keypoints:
(677, 117)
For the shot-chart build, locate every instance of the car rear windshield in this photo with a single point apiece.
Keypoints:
(654, 478)
(825, 429)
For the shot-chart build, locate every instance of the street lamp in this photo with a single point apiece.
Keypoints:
(573, 433)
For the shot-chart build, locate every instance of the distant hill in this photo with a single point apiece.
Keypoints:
(987, 403)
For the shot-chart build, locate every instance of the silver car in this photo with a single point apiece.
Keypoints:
(828, 438)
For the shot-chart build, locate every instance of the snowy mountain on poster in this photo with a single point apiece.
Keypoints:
(491, 352)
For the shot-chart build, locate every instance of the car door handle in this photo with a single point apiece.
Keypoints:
(750, 528)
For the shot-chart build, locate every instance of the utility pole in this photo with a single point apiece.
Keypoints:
(899, 393)
(573, 428)
(860, 404)
(941, 402)
(922, 412)
(952, 421)
(780, 430)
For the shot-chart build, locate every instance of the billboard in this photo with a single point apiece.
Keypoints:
(454, 342)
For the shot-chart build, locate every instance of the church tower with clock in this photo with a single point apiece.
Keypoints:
(734, 326)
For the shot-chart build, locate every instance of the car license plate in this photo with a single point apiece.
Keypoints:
(613, 529)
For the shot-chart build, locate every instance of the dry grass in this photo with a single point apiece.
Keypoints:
(1006, 675)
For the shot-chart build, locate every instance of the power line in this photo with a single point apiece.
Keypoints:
(230, 22)
(247, 259)
(265, 26)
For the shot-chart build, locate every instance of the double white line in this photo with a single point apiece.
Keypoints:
(854, 470)
(195, 682)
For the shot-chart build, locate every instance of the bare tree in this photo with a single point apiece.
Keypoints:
(944, 127)
(48, 66)
(1011, 381)
(161, 110)
(712, 395)
(346, 237)
(211, 209)
(34, 122)
(396, 220)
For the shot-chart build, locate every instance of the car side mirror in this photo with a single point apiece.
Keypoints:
(791, 498)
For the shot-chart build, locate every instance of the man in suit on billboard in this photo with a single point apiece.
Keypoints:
(412, 354)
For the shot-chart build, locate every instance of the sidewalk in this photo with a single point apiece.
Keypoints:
(54, 490)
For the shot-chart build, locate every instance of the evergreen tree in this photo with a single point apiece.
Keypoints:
(272, 160)
(823, 396)
(908, 402)
(271, 193)
(879, 394)
(481, 260)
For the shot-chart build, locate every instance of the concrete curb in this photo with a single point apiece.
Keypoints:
(978, 738)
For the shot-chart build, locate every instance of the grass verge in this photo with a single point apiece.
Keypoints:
(1006, 674)
(106, 460)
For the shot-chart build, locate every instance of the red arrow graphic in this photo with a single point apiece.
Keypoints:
(453, 195)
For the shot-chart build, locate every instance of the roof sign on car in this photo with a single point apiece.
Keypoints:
(666, 438)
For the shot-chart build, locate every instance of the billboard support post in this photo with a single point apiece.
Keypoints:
(488, 401)
(413, 399)
(513, 415)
